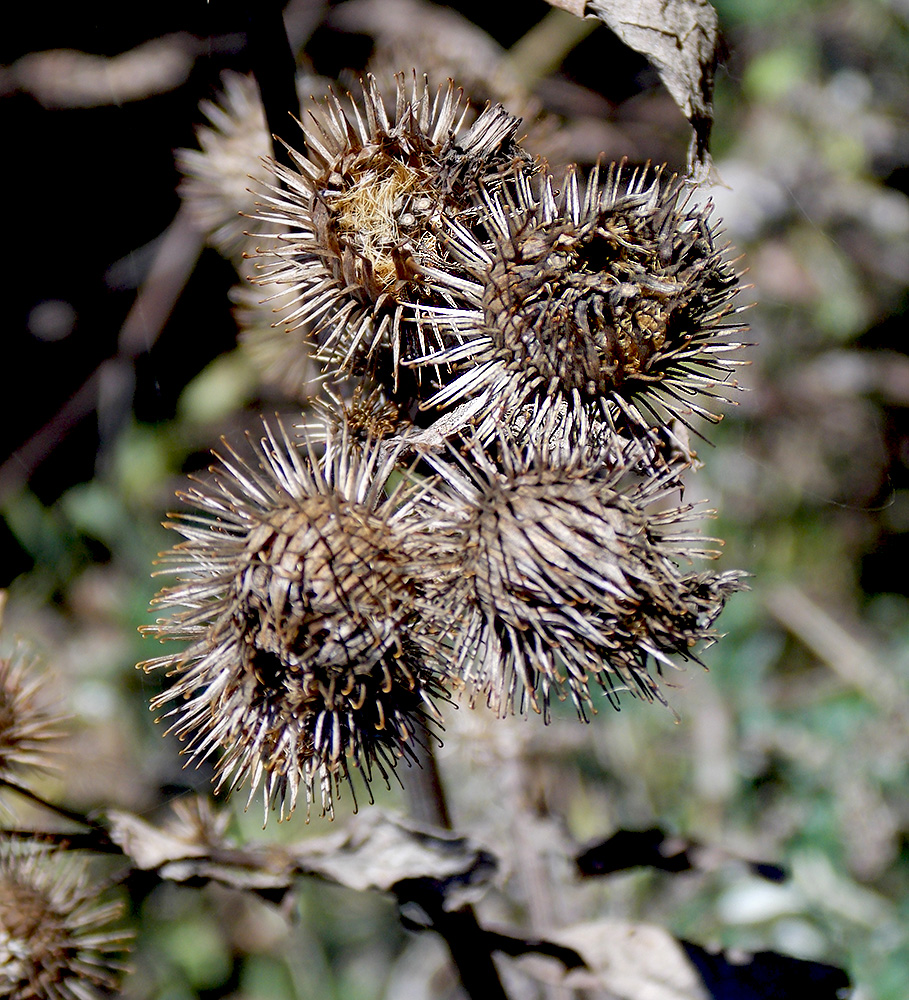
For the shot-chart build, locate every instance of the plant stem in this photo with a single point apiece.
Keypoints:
(424, 790)
(70, 814)
(468, 943)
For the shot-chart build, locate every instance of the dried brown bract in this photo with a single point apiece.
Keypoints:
(295, 598)
(609, 307)
(553, 573)
(366, 413)
(364, 212)
(53, 941)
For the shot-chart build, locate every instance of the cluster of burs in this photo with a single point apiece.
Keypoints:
(481, 501)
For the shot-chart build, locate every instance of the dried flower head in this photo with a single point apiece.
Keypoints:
(53, 941)
(604, 308)
(295, 597)
(552, 572)
(28, 727)
(365, 211)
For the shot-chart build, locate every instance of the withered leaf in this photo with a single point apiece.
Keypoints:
(374, 851)
(623, 961)
(680, 38)
(176, 856)
(379, 851)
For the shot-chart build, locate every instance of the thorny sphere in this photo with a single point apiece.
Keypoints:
(606, 306)
(53, 942)
(364, 211)
(553, 572)
(299, 666)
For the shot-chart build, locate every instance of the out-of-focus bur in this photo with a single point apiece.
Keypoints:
(362, 214)
(608, 309)
(553, 572)
(55, 936)
(223, 178)
(28, 726)
(295, 596)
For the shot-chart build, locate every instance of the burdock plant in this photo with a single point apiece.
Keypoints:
(486, 493)
(489, 502)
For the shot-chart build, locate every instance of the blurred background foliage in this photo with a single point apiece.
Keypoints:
(792, 749)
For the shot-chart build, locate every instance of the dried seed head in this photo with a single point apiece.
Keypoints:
(605, 308)
(552, 573)
(365, 211)
(53, 945)
(296, 600)
(27, 727)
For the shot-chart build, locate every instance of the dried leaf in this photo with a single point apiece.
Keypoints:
(765, 974)
(375, 851)
(576, 7)
(379, 851)
(655, 849)
(176, 856)
(624, 961)
(681, 40)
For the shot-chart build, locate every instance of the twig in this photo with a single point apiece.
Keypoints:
(93, 841)
(70, 814)
(849, 659)
(542, 50)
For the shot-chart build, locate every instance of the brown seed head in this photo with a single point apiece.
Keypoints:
(604, 308)
(297, 600)
(553, 572)
(365, 212)
(366, 415)
(28, 727)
